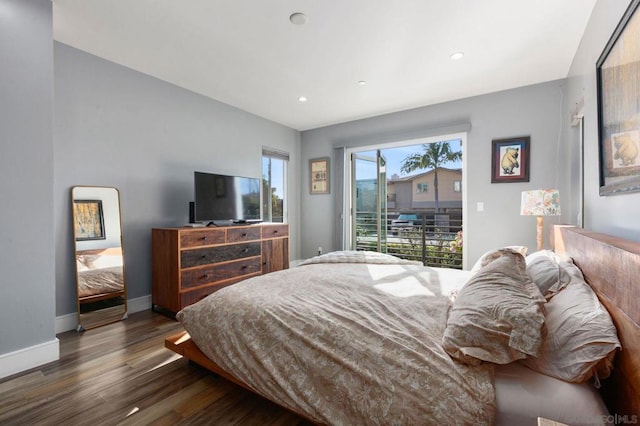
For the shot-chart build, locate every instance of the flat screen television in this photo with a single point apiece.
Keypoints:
(222, 199)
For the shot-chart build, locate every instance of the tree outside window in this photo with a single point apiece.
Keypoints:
(433, 156)
(274, 191)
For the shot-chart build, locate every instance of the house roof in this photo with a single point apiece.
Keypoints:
(428, 172)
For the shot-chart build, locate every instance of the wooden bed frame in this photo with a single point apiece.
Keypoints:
(610, 265)
(182, 344)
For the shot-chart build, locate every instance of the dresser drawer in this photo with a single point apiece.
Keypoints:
(273, 231)
(204, 237)
(190, 297)
(219, 272)
(204, 256)
(237, 235)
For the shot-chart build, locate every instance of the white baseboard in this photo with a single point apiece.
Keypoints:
(33, 356)
(66, 322)
(27, 358)
(69, 322)
(139, 304)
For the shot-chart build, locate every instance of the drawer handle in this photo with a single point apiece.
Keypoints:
(243, 267)
(205, 276)
(245, 250)
(244, 235)
(203, 257)
(275, 231)
(204, 238)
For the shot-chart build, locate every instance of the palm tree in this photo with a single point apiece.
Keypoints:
(435, 154)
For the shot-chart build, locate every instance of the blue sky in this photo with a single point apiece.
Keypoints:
(395, 156)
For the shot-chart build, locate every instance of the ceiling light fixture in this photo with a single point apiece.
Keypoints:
(298, 18)
(457, 55)
(302, 99)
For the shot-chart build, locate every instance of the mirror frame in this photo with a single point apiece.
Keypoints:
(107, 315)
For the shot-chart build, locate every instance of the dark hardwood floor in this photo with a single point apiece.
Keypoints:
(121, 374)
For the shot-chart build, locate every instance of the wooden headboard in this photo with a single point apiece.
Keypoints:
(611, 266)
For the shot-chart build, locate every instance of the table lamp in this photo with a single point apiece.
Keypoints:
(540, 203)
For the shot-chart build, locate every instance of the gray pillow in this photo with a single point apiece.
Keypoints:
(493, 254)
(497, 316)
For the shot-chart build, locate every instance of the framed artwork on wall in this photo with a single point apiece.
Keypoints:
(89, 220)
(319, 175)
(510, 160)
(618, 79)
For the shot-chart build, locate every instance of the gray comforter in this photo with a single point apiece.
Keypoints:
(346, 339)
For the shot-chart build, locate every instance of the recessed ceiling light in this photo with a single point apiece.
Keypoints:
(457, 55)
(298, 18)
(362, 83)
(302, 99)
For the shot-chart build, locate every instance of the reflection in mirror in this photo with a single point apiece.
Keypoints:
(99, 255)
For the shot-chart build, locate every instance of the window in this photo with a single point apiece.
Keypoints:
(457, 186)
(274, 185)
(422, 187)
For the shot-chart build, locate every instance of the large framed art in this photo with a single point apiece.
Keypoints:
(618, 78)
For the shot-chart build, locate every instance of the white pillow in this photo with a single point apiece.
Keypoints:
(581, 337)
(544, 270)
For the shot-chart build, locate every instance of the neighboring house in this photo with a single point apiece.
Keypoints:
(417, 192)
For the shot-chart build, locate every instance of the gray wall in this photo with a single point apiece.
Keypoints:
(533, 110)
(26, 167)
(618, 214)
(117, 127)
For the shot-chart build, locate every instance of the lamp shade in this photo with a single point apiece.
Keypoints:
(540, 202)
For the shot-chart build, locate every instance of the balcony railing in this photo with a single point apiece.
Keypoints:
(428, 239)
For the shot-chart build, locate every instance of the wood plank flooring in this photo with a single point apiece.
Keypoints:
(121, 374)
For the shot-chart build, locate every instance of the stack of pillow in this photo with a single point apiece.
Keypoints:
(536, 310)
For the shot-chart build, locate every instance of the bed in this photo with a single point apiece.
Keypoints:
(100, 274)
(405, 372)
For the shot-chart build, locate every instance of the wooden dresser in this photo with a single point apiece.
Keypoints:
(188, 264)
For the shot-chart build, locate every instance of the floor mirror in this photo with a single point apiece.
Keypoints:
(99, 256)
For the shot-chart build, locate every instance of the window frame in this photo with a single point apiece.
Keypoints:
(274, 154)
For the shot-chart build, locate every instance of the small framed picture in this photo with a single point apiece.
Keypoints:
(319, 175)
(510, 160)
(88, 220)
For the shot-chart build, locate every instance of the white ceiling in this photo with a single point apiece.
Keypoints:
(247, 54)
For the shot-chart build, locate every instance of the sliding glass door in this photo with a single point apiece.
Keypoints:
(406, 198)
